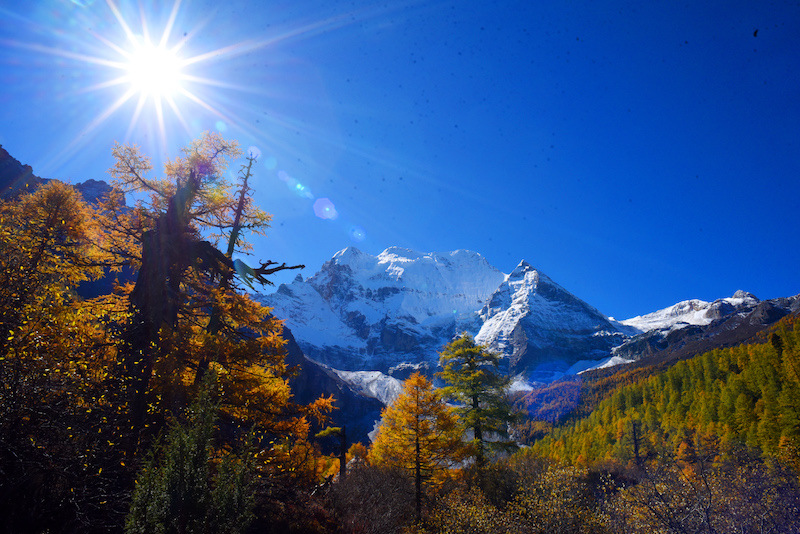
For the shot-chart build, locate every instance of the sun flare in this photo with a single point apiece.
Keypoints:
(154, 71)
(139, 62)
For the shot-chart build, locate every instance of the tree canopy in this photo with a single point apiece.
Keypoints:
(419, 433)
(474, 382)
(86, 386)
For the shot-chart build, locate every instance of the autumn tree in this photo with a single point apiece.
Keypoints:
(58, 414)
(45, 249)
(187, 309)
(474, 382)
(419, 433)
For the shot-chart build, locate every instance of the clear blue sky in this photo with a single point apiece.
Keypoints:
(638, 153)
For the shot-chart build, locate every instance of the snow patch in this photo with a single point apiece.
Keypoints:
(607, 362)
(520, 384)
(690, 312)
(373, 384)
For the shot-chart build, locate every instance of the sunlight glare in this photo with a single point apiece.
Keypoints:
(154, 71)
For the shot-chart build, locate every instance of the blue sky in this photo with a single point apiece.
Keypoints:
(638, 153)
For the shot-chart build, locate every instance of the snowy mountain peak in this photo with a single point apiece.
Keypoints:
(365, 312)
(542, 327)
(691, 312)
(399, 255)
(521, 270)
(350, 257)
(742, 297)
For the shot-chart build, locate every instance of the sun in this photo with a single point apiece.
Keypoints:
(136, 62)
(154, 71)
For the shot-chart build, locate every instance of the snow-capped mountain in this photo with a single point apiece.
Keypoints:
(363, 323)
(691, 312)
(542, 328)
(695, 326)
(394, 312)
(388, 312)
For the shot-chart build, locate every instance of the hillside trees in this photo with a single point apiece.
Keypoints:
(85, 385)
(475, 384)
(745, 394)
(419, 434)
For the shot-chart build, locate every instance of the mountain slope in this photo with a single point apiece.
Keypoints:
(691, 312)
(746, 392)
(541, 327)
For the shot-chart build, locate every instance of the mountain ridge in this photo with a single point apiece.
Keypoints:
(16, 178)
(393, 312)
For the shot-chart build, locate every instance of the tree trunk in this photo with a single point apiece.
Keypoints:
(343, 454)
(478, 435)
(418, 477)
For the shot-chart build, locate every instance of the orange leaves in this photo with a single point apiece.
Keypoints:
(419, 431)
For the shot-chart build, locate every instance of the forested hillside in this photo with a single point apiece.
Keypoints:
(746, 394)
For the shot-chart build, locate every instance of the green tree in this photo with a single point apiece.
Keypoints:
(474, 382)
(419, 433)
(187, 486)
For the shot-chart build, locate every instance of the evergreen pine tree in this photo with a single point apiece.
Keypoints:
(474, 382)
(182, 490)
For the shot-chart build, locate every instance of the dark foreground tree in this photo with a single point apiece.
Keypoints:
(188, 485)
(186, 311)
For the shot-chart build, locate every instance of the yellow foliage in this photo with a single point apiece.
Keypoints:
(418, 431)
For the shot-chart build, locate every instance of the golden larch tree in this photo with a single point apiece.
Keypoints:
(419, 433)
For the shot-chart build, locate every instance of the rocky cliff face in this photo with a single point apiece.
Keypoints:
(542, 328)
(16, 178)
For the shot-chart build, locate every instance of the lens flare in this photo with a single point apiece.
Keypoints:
(324, 209)
(357, 234)
(253, 152)
(294, 185)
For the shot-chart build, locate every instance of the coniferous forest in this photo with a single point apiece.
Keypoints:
(164, 404)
